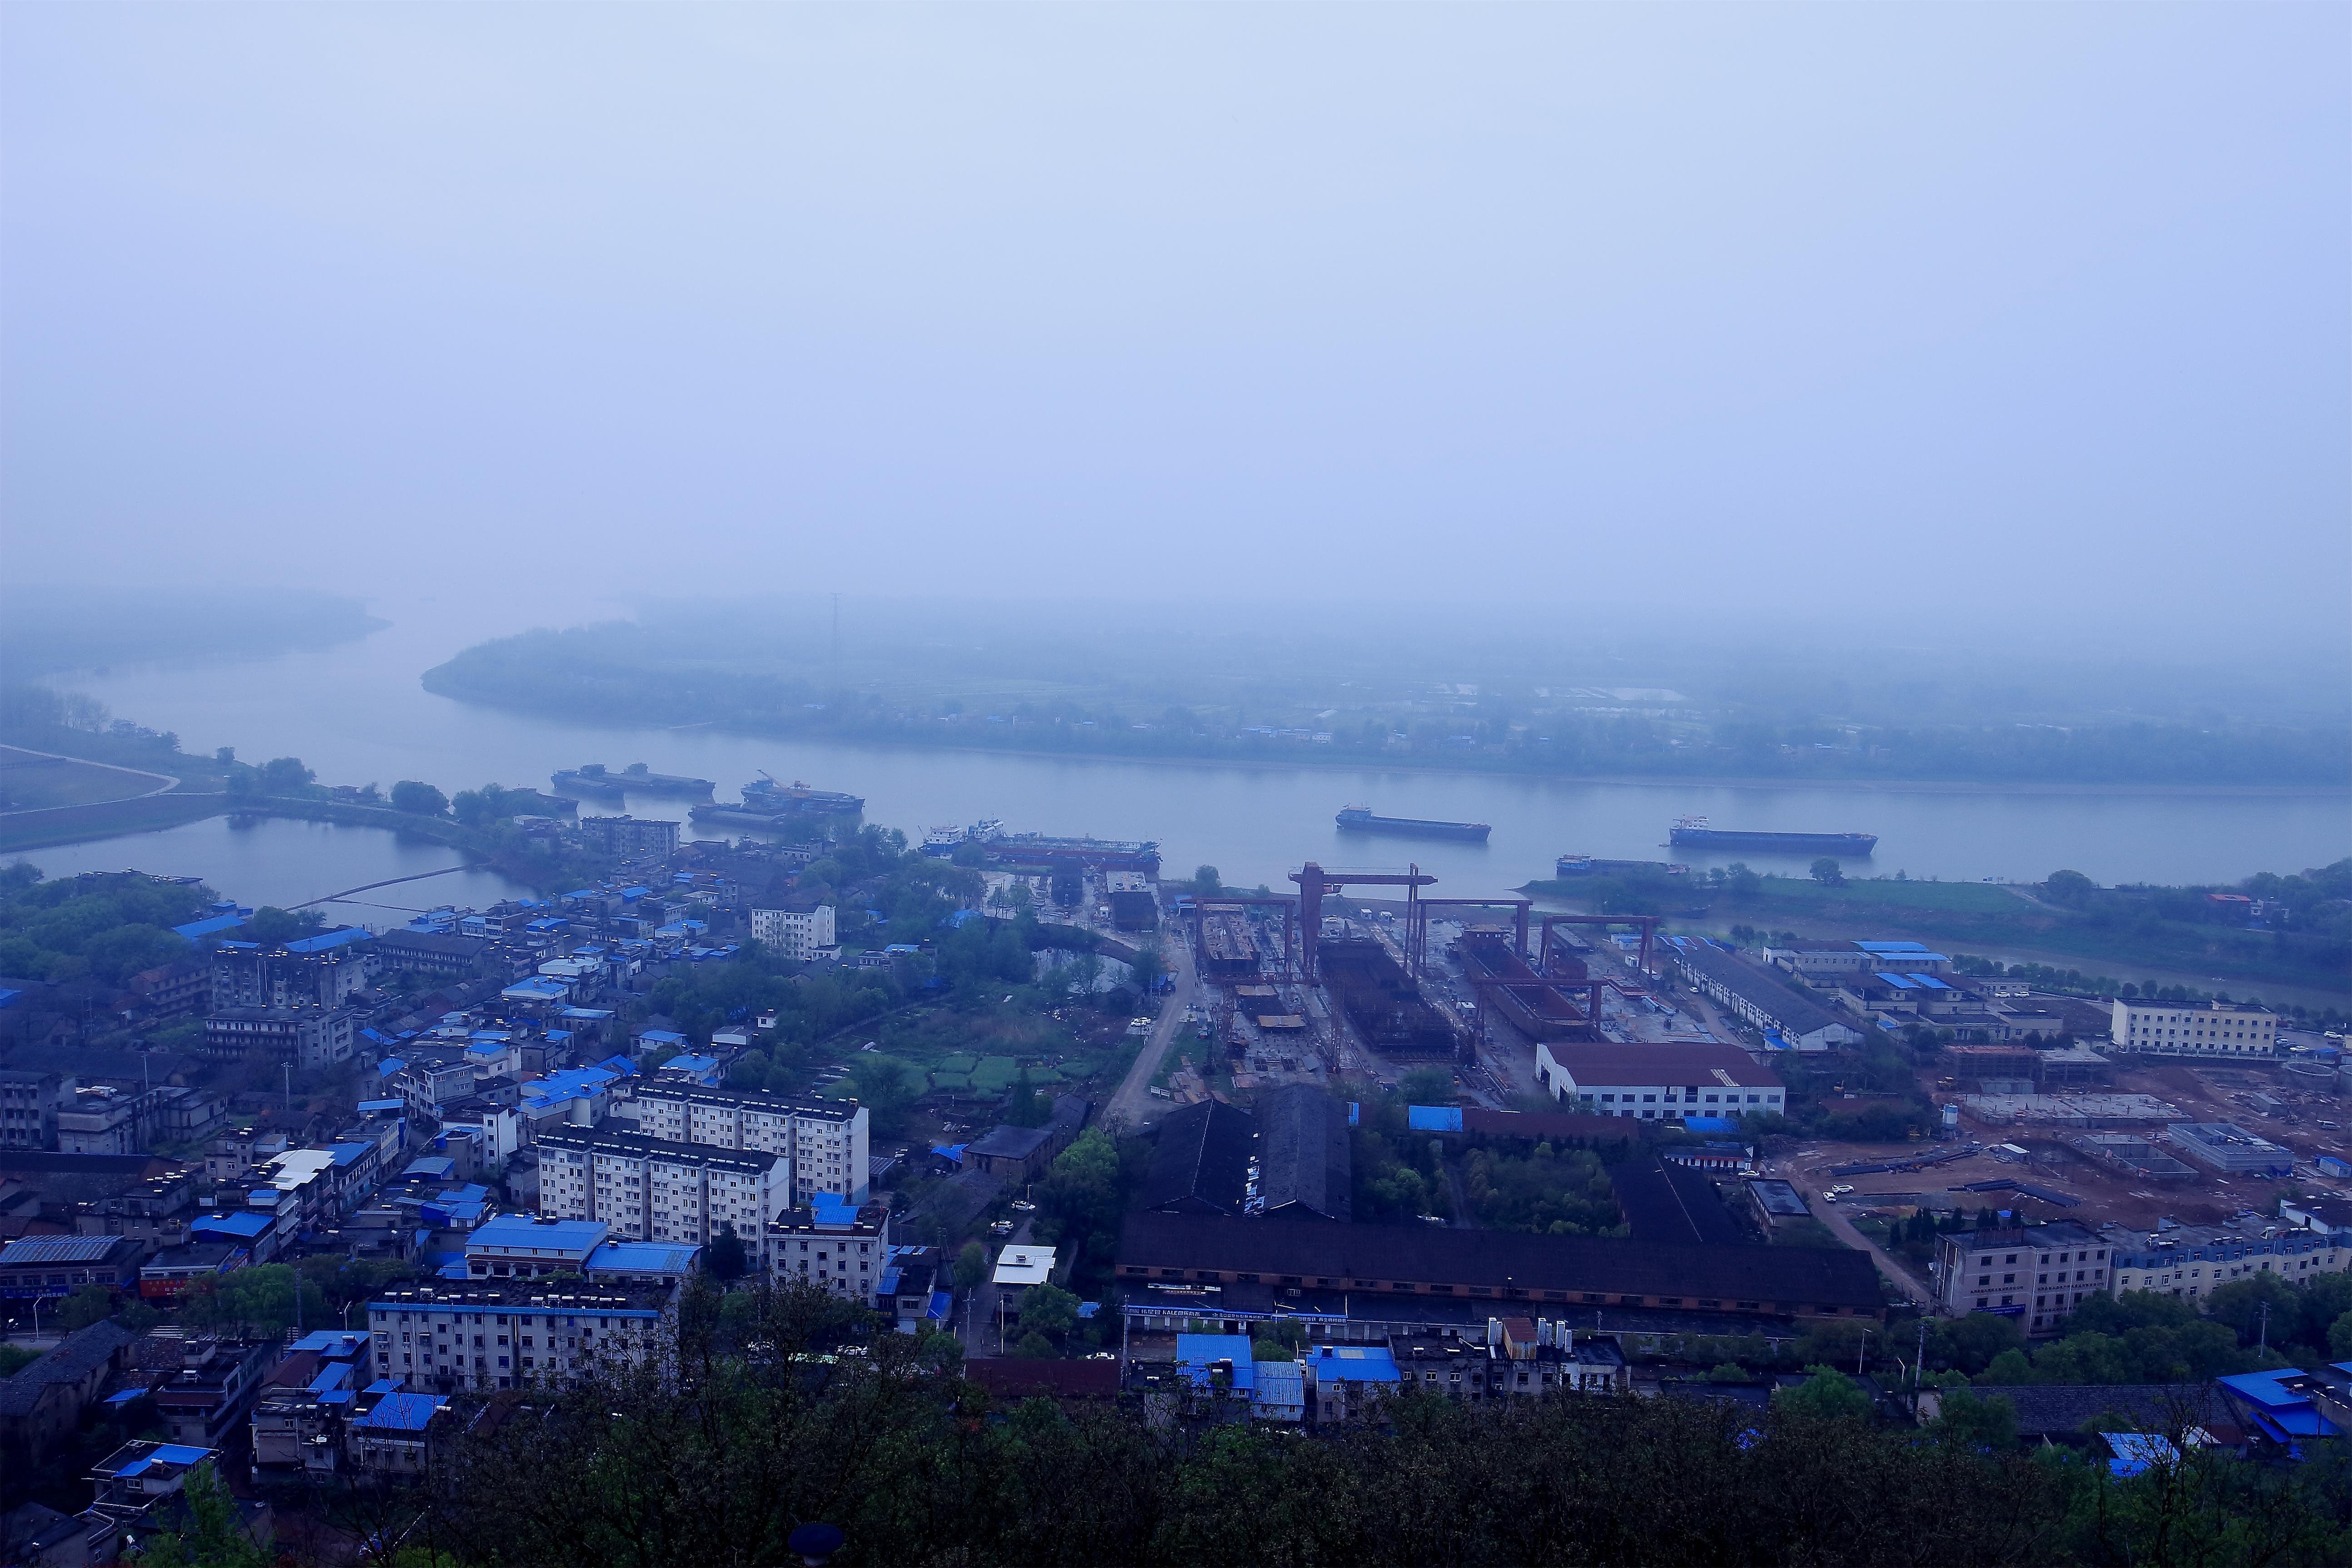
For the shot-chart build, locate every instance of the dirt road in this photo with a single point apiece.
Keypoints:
(1132, 1106)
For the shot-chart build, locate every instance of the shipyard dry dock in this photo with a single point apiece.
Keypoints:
(1382, 1002)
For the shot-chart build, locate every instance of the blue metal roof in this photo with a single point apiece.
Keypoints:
(642, 1258)
(326, 942)
(1433, 1118)
(244, 1223)
(515, 1231)
(1900, 983)
(403, 1412)
(196, 929)
(1355, 1363)
(1195, 1352)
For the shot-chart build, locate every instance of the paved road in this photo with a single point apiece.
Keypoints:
(981, 1335)
(1833, 1214)
(1132, 1105)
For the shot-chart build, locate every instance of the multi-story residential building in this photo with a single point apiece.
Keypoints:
(28, 1108)
(306, 1037)
(828, 1140)
(513, 1334)
(2180, 1029)
(214, 1389)
(2191, 1260)
(2036, 1274)
(630, 835)
(231, 1159)
(1657, 1083)
(839, 1246)
(322, 971)
(651, 1189)
(796, 932)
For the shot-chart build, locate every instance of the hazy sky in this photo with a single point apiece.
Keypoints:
(2030, 310)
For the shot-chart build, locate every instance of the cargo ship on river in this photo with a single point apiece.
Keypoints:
(1360, 819)
(596, 779)
(998, 847)
(1693, 832)
(767, 803)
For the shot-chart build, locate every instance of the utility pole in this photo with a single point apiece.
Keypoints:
(1919, 1369)
(2262, 1339)
(1861, 1352)
(290, 1090)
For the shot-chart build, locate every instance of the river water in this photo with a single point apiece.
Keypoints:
(356, 713)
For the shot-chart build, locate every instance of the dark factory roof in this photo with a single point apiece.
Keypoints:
(1778, 1279)
(1202, 1160)
(1302, 1152)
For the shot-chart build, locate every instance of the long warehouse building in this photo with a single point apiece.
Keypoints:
(1485, 1266)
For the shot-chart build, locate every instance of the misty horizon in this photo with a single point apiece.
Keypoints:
(1955, 327)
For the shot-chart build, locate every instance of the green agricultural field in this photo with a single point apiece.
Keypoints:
(995, 1075)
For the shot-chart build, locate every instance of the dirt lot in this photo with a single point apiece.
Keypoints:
(2202, 1091)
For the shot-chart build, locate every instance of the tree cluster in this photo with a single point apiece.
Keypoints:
(781, 1410)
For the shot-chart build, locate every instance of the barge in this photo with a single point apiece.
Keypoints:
(1693, 832)
(1360, 819)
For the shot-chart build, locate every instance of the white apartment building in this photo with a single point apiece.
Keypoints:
(839, 1248)
(651, 1189)
(486, 1334)
(2181, 1029)
(825, 1139)
(1656, 1082)
(798, 934)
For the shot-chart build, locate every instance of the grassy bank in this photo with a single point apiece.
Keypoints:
(107, 819)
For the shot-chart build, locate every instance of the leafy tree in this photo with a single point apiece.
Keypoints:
(1035, 1347)
(253, 1299)
(271, 924)
(2070, 888)
(1049, 1309)
(1826, 1394)
(1148, 967)
(2339, 1337)
(1965, 1420)
(1026, 1107)
(216, 1535)
(1204, 881)
(889, 1089)
(420, 799)
(971, 1267)
(1428, 1086)
(940, 1351)
(1828, 872)
(89, 1304)
(728, 1257)
(285, 775)
(13, 1358)
(1271, 1350)
(1726, 1372)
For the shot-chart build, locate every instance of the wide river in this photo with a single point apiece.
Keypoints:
(356, 713)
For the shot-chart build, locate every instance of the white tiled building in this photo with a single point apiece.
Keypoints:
(651, 1189)
(1657, 1083)
(798, 934)
(2180, 1029)
(825, 1139)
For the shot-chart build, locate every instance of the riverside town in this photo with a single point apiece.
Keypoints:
(330, 1206)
